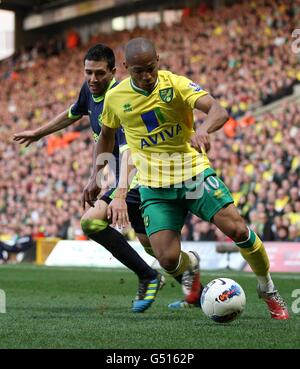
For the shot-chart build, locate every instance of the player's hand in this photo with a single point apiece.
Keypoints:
(27, 137)
(117, 212)
(200, 140)
(90, 192)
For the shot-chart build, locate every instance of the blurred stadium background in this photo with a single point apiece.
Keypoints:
(240, 51)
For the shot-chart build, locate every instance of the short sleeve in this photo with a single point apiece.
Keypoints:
(109, 116)
(80, 107)
(189, 90)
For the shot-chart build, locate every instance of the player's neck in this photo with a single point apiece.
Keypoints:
(98, 98)
(135, 87)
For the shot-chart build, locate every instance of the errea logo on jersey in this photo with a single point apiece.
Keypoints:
(195, 87)
(127, 107)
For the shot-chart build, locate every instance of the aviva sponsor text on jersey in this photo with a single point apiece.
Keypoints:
(162, 136)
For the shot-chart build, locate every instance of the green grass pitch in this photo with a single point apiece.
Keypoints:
(49, 307)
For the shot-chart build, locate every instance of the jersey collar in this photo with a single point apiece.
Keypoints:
(140, 90)
(98, 98)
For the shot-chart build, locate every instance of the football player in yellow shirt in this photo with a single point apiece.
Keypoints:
(155, 109)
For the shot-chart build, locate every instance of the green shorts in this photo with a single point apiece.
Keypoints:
(166, 208)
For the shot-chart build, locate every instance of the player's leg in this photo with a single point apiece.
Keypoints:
(133, 205)
(147, 289)
(163, 218)
(229, 221)
(95, 225)
(133, 201)
(144, 240)
(134, 212)
(166, 245)
(216, 205)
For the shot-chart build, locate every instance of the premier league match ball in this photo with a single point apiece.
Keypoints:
(223, 300)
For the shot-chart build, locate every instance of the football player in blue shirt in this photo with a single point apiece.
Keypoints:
(99, 71)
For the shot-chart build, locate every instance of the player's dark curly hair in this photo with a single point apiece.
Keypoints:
(101, 52)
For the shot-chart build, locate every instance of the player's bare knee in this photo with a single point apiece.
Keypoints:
(168, 262)
(239, 231)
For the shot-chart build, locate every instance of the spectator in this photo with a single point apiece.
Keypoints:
(20, 243)
(244, 58)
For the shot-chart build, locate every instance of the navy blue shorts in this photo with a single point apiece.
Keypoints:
(133, 201)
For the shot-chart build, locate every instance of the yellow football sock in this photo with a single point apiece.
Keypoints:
(182, 266)
(253, 251)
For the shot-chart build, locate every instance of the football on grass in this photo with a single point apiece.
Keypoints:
(223, 300)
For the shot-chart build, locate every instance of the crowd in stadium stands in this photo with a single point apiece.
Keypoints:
(242, 55)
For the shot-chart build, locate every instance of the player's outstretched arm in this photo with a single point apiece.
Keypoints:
(60, 122)
(105, 145)
(216, 118)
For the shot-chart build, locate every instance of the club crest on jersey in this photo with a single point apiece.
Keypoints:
(195, 87)
(166, 94)
(127, 107)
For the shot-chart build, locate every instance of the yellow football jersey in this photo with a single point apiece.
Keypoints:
(158, 126)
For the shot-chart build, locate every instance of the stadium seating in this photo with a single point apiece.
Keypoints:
(243, 58)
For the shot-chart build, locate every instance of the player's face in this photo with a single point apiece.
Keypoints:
(98, 76)
(144, 71)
